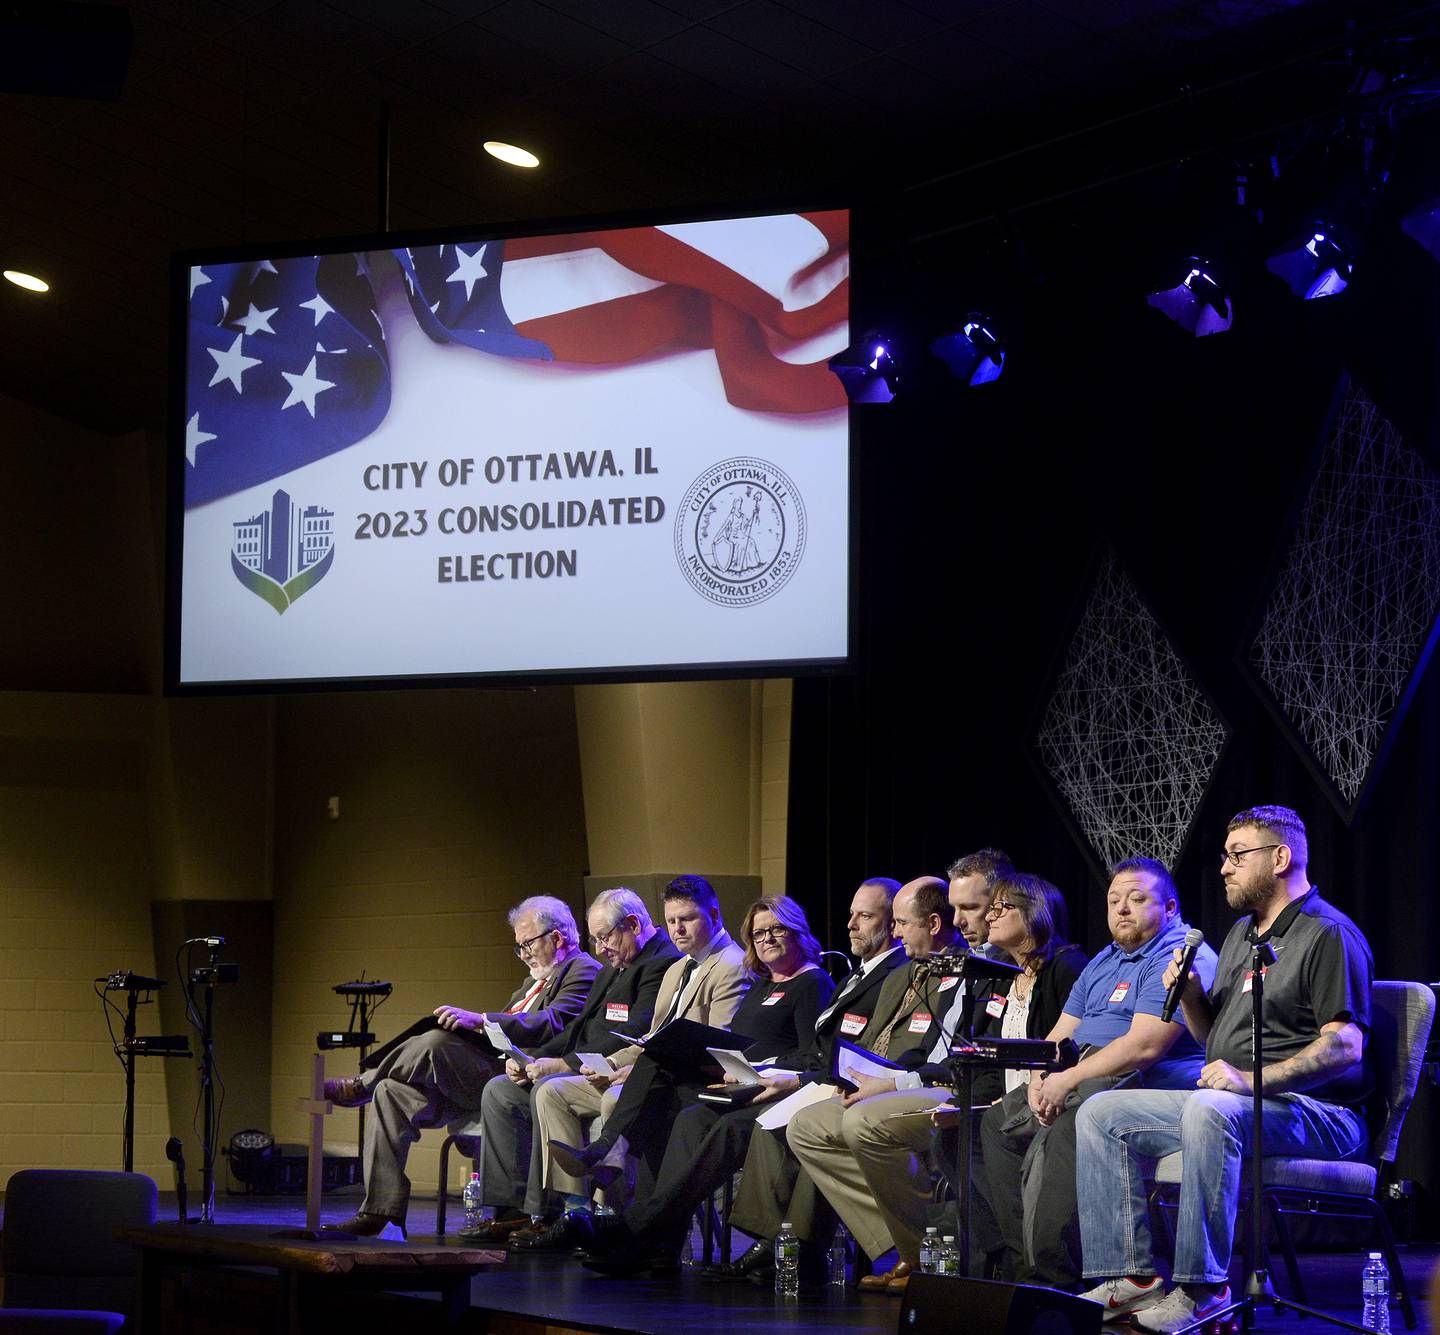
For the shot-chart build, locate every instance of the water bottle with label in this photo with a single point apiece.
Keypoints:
(787, 1261)
(474, 1208)
(1375, 1291)
(929, 1247)
(839, 1257)
(950, 1257)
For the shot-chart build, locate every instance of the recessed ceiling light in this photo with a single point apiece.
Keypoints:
(516, 157)
(27, 280)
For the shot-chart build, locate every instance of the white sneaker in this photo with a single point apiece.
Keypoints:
(1180, 1308)
(1119, 1296)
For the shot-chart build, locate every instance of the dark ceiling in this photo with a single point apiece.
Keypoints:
(252, 120)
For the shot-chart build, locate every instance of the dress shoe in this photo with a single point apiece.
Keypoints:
(589, 1161)
(757, 1259)
(889, 1281)
(363, 1225)
(573, 1229)
(347, 1091)
(495, 1230)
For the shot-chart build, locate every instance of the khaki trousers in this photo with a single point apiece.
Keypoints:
(564, 1105)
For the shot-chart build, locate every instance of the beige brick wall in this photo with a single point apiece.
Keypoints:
(776, 698)
(76, 879)
(454, 805)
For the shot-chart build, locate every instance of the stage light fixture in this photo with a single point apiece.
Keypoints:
(249, 1153)
(975, 353)
(27, 280)
(1198, 303)
(1423, 225)
(868, 369)
(1315, 265)
(511, 153)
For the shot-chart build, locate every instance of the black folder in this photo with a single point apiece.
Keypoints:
(680, 1047)
(423, 1026)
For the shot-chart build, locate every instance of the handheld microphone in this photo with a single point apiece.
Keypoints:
(1193, 940)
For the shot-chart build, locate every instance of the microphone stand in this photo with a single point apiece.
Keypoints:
(1259, 1292)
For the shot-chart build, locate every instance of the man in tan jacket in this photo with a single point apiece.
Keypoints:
(704, 985)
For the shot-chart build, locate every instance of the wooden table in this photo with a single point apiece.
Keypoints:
(306, 1269)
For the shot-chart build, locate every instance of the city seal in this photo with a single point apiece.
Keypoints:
(740, 532)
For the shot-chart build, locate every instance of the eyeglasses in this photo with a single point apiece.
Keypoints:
(1233, 855)
(522, 948)
(998, 907)
(604, 938)
(776, 933)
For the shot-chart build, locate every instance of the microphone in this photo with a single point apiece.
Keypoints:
(174, 1152)
(213, 942)
(1193, 940)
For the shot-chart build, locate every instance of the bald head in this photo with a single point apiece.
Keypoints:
(922, 917)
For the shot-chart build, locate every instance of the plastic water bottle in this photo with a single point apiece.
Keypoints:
(929, 1246)
(474, 1207)
(1375, 1289)
(839, 1257)
(950, 1257)
(787, 1262)
(687, 1248)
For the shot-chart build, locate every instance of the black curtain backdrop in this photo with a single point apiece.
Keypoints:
(981, 517)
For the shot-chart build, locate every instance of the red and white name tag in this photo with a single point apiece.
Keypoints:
(920, 1022)
(852, 1025)
(947, 983)
(773, 999)
(1120, 990)
(995, 1007)
(1250, 978)
(617, 1010)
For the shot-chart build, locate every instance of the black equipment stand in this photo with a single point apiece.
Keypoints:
(365, 999)
(209, 976)
(132, 1046)
(1259, 1292)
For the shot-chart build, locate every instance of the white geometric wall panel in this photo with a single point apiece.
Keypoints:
(1356, 598)
(1127, 737)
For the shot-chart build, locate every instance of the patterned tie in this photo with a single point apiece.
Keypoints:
(882, 1044)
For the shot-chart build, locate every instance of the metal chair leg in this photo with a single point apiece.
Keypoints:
(1398, 1286)
(1276, 1209)
(444, 1186)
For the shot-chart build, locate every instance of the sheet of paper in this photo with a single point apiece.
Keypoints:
(779, 1114)
(500, 1041)
(597, 1062)
(851, 1063)
(735, 1065)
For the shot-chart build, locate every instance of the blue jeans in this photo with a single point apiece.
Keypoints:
(1119, 1135)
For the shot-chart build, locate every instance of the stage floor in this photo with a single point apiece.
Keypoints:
(555, 1292)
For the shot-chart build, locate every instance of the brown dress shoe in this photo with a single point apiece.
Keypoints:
(497, 1230)
(347, 1091)
(888, 1281)
(364, 1225)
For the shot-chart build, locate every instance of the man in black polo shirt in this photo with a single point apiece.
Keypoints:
(1316, 1018)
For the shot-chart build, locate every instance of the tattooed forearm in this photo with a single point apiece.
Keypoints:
(1337, 1048)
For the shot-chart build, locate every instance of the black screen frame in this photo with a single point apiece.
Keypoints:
(180, 264)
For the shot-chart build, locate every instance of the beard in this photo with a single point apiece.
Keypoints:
(542, 970)
(866, 946)
(1252, 896)
(1126, 933)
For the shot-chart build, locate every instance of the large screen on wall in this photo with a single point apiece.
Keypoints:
(607, 453)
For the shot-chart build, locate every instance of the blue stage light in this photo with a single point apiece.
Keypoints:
(1317, 264)
(868, 369)
(1198, 303)
(975, 352)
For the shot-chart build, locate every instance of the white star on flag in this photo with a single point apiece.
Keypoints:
(332, 352)
(320, 306)
(304, 388)
(195, 438)
(257, 321)
(470, 270)
(231, 364)
(198, 278)
(264, 266)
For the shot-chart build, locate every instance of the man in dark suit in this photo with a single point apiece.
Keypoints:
(441, 1074)
(513, 1161)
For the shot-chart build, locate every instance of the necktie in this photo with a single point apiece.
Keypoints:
(907, 1003)
(685, 975)
(523, 1004)
(840, 994)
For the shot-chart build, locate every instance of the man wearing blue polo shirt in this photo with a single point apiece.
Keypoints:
(1113, 1014)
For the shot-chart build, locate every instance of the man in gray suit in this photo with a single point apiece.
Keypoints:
(437, 1076)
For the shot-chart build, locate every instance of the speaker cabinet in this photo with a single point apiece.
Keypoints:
(942, 1305)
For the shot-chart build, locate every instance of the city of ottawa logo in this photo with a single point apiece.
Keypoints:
(284, 551)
